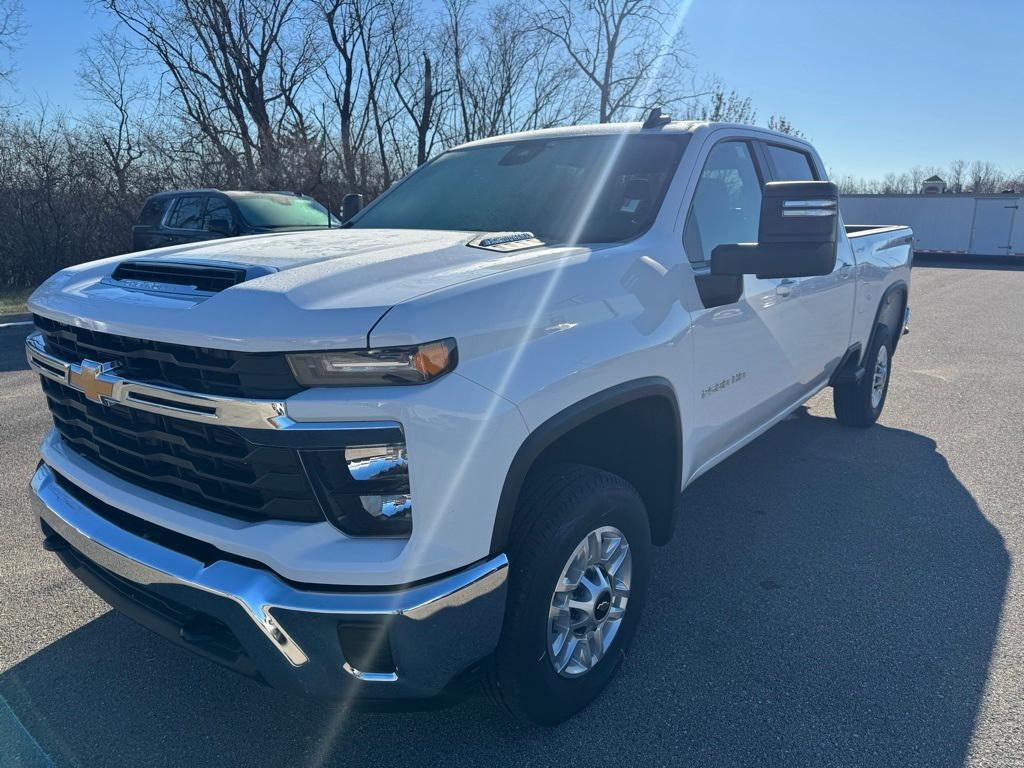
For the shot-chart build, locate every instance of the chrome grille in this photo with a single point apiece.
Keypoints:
(196, 369)
(209, 466)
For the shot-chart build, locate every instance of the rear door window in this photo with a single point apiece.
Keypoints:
(791, 164)
(188, 213)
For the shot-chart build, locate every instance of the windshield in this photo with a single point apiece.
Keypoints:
(544, 186)
(261, 209)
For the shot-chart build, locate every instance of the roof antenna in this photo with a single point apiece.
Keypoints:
(655, 119)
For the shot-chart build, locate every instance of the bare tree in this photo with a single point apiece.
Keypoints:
(237, 67)
(412, 75)
(342, 18)
(721, 107)
(782, 124)
(511, 79)
(373, 25)
(11, 29)
(917, 177)
(956, 175)
(629, 51)
(984, 178)
(105, 75)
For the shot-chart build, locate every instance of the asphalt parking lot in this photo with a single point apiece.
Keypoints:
(833, 597)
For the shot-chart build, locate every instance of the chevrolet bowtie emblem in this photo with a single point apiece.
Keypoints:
(86, 379)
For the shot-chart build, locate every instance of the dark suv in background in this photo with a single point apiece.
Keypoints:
(193, 215)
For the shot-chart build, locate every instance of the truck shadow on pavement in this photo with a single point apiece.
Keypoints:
(831, 598)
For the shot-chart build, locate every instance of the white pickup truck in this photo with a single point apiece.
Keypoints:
(437, 444)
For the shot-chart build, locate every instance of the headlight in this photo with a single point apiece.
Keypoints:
(364, 490)
(416, 364)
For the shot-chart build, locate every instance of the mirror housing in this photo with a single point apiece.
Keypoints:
(351, 204)
(797, 236)
(221, 225)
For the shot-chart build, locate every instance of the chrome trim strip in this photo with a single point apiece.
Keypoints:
(809, 212)
(809, 204)
(371, 677)
(809, 208)
(167, 401)
(258, 592)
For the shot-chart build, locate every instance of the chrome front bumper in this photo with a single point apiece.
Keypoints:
(290, 634)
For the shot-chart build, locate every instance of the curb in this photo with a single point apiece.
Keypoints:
(21, 318)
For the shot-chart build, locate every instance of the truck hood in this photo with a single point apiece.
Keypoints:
(325, 289)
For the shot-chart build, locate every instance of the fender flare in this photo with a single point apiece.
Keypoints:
(898, 285)
(568, 419)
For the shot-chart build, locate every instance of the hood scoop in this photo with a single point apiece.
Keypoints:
(194, 278)
(503, 242)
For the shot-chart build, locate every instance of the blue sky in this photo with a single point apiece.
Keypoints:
(877, 86)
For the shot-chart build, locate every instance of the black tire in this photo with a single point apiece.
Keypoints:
(852, 400)
(556, 511)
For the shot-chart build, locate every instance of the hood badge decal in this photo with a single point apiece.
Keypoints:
(503, 242)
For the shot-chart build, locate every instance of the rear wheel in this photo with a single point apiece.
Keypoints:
(860, 403)
(579, 555)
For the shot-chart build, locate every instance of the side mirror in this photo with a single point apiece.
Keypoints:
(351, 204)
(220, 225)
(797, 236)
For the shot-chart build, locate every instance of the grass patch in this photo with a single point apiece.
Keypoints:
(12, 300)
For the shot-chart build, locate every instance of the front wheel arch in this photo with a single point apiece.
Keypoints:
(654, 469)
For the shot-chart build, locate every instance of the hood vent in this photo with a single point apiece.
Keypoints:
(183, 277)
(505, 241)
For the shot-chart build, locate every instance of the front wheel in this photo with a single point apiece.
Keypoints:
(579, 554)
(860, 403)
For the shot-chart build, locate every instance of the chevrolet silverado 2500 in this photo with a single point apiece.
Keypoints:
(439, 443)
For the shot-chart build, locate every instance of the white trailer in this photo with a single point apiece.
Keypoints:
(975, 225)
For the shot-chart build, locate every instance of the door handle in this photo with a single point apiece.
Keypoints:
(785, 287)
(844, 268)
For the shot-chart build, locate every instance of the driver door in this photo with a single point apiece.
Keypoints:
(743, 373)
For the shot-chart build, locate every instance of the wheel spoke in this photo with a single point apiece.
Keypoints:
(566, 652)
(592, 583)
(611, 545)
(566, 584)
(620, 588)
(581, 621)
(619, 558)
(579, 605)
(582, 654)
